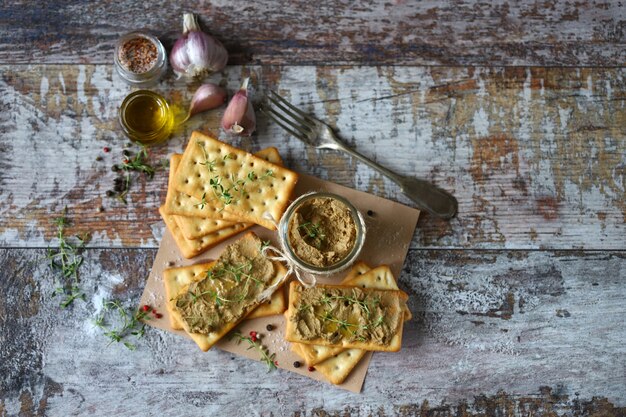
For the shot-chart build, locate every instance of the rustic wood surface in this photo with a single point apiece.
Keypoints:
(529, 328)
(395, 32)
(517, 108)
(535, 157)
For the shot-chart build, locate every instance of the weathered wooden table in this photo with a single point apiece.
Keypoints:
(517, 109)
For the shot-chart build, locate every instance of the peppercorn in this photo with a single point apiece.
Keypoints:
(126, 153)
(98, 158)
(118, 185)
(296, 364)
(110, 193)
(370, 213)
(269, 327)
(100, 209)
(115, 168)
(311, 368)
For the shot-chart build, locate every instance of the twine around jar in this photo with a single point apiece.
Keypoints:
(292, 268)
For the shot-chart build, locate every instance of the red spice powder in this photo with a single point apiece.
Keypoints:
(138, 55)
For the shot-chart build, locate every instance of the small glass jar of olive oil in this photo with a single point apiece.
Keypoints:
(146, 117)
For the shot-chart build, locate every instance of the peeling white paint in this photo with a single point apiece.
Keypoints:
(43, 90)
(481, 123)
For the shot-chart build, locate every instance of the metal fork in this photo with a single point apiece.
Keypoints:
(319, 135)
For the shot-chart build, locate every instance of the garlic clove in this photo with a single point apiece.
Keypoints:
(207, 96)
(195, 53)
(239, 118)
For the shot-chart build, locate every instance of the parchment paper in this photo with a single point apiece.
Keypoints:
(390, 228)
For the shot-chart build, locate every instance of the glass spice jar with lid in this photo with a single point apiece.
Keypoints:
(140, 59)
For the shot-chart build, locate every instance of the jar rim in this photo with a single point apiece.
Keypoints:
(357, 217)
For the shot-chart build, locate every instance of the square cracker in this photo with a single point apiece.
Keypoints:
(314, 354)
(250, 201)
(336, 368)
(195, 227)
(336, 364)
(275, 305)
(192, 248)
(177, 281)
(380, 278)
(395, 298)
(185, 205)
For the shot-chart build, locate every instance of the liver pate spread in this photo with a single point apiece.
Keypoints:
(322, 231)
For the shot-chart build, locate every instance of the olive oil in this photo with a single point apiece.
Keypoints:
(146, 117)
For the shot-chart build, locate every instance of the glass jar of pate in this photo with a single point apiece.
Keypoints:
(322, 233)
(140, 59)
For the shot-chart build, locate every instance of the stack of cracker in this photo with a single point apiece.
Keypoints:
(216, 191)
(177, 282)
(336, 362)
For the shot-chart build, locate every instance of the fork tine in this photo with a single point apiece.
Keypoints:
(284, 126)
(304, 130)
(296, 118)
(304, 118)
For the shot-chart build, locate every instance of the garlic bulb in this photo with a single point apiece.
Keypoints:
(239, 118)
(207, 96)
(195, 53)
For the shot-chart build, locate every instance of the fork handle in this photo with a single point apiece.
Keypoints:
(428, 197)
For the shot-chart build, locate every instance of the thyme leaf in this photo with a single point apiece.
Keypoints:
(266, 356)
(139, 163)
(67, 259)
(131, 323)
(131, 163)
(202, 202)
(314, 232)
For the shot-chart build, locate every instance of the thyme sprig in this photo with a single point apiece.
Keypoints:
(202, 202)
(139, 163)
(130, 163)
(363, 305)
(226, 193)
(343, 324)
(314, 232)
(215, 295)
(236, 272)
(326, 299)
(131, 323)
(266, 356)
(67, 259)
(226, 189)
